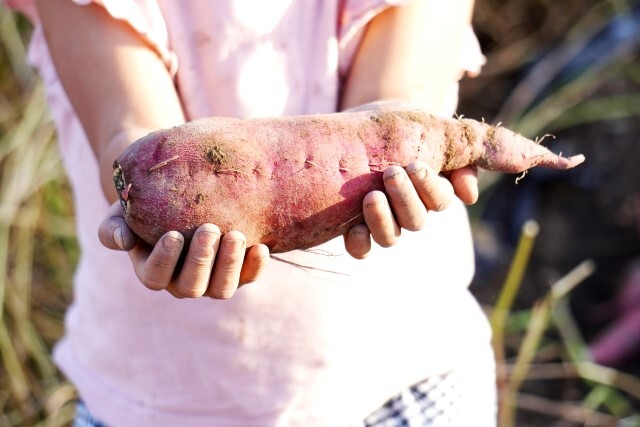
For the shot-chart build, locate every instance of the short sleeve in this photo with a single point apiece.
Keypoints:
(144, 16)
(355, 16)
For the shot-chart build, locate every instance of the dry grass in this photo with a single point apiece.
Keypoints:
(531, 42)
(37, 246)
(38, 251)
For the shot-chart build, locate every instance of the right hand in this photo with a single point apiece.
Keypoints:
(214, 265)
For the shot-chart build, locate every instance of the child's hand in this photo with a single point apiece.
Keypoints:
(409, 196)
(214, 265)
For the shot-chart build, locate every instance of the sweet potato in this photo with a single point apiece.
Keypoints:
(296, 182)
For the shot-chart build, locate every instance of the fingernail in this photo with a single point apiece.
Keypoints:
(395, 179)
(374, 200)
(117, 238)
(261, 257)
(359, 234)
(417, 171)
(207, 237)
(232, 245)
(171, 243)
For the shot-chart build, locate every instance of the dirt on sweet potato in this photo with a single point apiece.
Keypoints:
(296, 182)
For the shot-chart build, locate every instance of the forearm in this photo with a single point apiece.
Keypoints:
(117, 84)
(409, 53)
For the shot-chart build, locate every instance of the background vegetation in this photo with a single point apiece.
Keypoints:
(554, 249)
(37, 246)
(569, 68)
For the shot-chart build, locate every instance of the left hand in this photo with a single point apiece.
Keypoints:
(410, 194)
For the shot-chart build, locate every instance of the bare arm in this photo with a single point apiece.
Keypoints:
(118, 86)
(121, 90)
(409, 53)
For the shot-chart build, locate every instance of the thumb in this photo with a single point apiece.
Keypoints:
(114, 233)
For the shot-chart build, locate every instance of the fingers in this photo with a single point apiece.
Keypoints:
(255, 261)
(409, 196)
(357, 241)
(113, 231)
(228, 266)
(155, 266)
(213, 266)
(435, 191)
(379, 218)
(193, 280)
(410, 212)
(465, 184)
(216, 266)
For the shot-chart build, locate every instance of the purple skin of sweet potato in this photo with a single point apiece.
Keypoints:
(296, 182)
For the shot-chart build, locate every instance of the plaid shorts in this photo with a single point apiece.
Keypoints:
(430, 403)
(434, 402)
(84, 418)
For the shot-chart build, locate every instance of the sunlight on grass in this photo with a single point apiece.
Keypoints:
(37, 245)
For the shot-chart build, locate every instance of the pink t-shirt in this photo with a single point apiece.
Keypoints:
(299, 347)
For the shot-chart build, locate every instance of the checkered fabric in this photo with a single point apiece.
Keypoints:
(83, 417)
(430, 403)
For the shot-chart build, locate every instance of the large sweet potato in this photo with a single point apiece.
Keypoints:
(296, 182)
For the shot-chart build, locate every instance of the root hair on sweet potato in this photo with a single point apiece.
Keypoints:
(296, 182)
(161, 164)
(307, 267)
